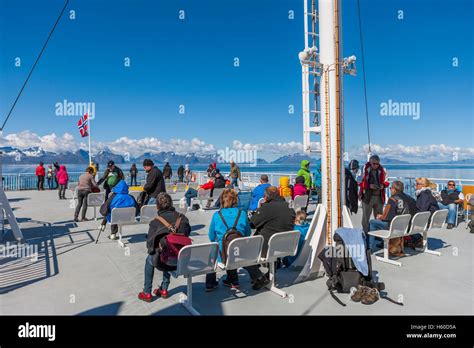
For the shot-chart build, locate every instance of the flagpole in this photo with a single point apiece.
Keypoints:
(89, 131)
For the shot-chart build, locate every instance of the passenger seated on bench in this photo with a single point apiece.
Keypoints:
(398, 204)
(425, 201)
(450, 198)
(258, 192)
(118, 199)
(302, 226)
(191, 193)
(272, 217)
(217, 230)
(156, 232)
(219, 182)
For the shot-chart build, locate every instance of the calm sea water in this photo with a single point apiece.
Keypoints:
(411, 170)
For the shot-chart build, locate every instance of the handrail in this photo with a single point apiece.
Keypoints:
(27, 181)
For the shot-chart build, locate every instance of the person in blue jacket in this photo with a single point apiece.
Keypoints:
(258, 192)
(302, 226)
(118, 199)
(217, 229)
(317, 179)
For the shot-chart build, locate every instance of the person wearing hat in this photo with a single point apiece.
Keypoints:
(155, 182)
(112, 175)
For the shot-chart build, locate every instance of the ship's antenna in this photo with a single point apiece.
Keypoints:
(34, 65)
(363, 75)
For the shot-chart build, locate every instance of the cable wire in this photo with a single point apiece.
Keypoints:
(363, 75)
(34, 65)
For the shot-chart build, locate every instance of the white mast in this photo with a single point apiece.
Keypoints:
(322, 64)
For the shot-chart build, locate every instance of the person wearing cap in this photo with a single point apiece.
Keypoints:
(351, 187)
(155, 183)
(112, 169)
(258, 192)
(372, 190)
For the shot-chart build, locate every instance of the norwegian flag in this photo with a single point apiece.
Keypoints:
(83, 125)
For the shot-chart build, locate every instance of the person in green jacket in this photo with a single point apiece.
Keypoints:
(304, 172)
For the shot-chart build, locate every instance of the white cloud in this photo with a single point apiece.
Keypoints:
(136, 147)
(271, 148)
(49, 142)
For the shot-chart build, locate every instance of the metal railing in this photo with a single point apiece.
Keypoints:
(28, 181)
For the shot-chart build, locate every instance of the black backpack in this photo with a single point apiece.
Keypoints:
(342, 273)
(229, 236)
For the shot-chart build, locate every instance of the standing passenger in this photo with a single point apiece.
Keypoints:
(63, 179)
(372, 190)
(40, 176)
(86, 183)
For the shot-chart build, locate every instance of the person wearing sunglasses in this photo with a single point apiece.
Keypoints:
(450, 197)
(372, 191)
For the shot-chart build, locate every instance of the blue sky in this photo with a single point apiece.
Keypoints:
(191, 62)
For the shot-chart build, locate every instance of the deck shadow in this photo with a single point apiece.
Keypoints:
(109, 309)
(37, 258)
(14, 200)
(197, 227)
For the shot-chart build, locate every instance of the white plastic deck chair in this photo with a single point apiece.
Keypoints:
(180, 187)
(135, 194)
(419, 224)
(122, 217)
(182, 206)
(438, 219)
(300, 202)
(72, 186)
(194, 260)
(216, 194)
(398, 228)
(243, 252)
(203, 195)
(169, 187)
(95, 199)
(148, 213)
(280, 245)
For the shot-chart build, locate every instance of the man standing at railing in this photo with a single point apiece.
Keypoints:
(40, 174)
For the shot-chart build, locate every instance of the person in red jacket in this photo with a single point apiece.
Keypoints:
(191, 193)
(63, 178)
(40, 174)
(372, 190)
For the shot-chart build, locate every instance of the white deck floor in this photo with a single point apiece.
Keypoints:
(75, 276)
